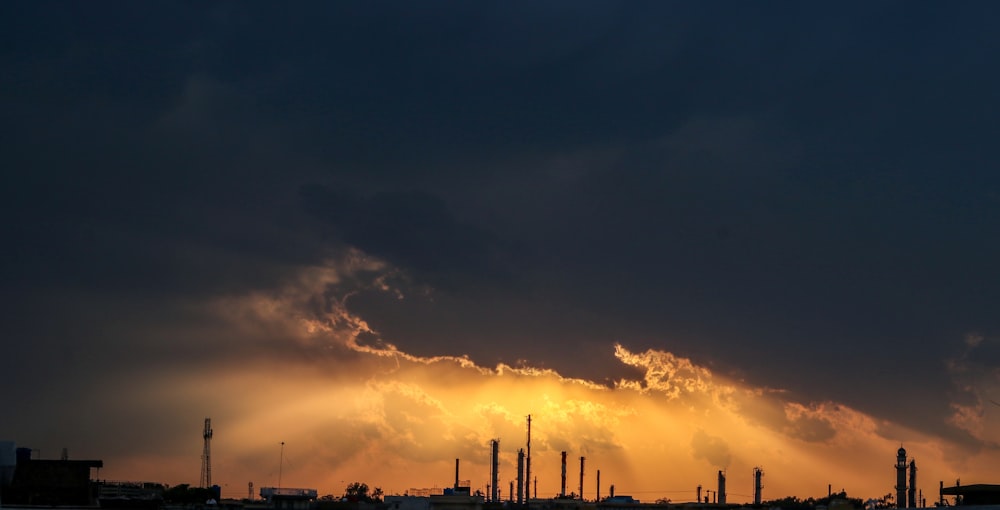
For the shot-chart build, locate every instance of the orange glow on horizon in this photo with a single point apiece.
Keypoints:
(352, 412)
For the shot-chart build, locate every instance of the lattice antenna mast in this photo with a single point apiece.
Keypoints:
(206, 455)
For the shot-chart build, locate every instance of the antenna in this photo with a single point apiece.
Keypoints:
(206, 455)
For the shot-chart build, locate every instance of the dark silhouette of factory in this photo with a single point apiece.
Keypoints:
(29, 481)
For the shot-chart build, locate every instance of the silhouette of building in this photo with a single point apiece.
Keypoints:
(975, 494)
(901, 478)
(60, 482)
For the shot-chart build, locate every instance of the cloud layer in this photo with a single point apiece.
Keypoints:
(721, 237)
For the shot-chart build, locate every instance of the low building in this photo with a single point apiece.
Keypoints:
(975, 494)
(287, 498)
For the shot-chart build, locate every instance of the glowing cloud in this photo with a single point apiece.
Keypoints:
(364, 410)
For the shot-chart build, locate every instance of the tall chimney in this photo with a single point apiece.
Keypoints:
(527, 466)
(562, 491)
(598, 485)
(912, 494)
(494, 469)
(698, 499)
(456, 474)
(582, 460)
(722, 488)
(612, 489)
(511, 498)
(757, 474)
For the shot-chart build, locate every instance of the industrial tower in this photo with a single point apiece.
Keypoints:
(758, 473)
(722, 488)
(206, 455)
(901, 478)
(494, 470)
(527, 466)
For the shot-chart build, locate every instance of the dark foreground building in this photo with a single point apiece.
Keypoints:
(51, 482)
(976, 494)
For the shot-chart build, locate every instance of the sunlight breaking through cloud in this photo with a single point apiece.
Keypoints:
(350, 409)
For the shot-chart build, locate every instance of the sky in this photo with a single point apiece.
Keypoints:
(684, 237)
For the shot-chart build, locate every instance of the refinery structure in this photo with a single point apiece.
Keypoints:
(27, 481)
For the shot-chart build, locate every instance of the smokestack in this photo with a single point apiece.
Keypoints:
(598, 485)
(722, 488)
(912, 494)
(941, 493)
(527, 466)
(901, 478)
(698, 499)
(494, 469)
(582, 460)
(520, 476)
(562, 491)
(511, 498)
(456, 474)
(612, 489)
(757, 474)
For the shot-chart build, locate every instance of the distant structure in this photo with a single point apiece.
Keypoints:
(527, 466)
(288, 498)
(206, 455)
(901, 478)
(722, 488)
(598, 498)
(494, 470)
(520, 476)
(912, 493)
(758, 473)
(971, 495)
(582, 460)
(562, 489)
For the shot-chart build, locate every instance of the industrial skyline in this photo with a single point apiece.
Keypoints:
(683, 237)
(907, 493)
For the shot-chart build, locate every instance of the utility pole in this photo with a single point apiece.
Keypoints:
(281, 460)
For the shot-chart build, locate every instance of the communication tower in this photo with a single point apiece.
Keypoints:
(206, 455)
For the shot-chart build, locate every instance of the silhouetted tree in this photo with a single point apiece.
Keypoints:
(358, 492)
(886, 501)
(185, 494)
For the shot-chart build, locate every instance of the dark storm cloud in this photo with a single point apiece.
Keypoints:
(413, 230)
(803, 197)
